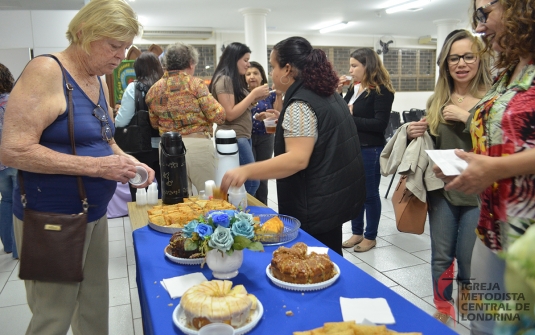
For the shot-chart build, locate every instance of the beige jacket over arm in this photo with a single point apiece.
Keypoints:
(411, 160)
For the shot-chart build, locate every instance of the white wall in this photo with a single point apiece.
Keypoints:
(44, 32)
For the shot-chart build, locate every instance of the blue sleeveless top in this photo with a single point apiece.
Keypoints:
(59, 193)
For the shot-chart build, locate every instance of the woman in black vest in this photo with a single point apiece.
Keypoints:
(317, 163)
(370, 101)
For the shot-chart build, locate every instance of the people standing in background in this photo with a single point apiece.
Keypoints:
(181, 103)
(262, 142)
(229, 88)
(35, 141)
(148, 71)
(8, 176)
(370, 103)
(464, 78)
(501, 167)
(317, 163)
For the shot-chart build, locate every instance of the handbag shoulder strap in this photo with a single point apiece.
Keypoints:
(81, 188)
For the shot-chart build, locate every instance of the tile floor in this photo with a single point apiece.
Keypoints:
(399, 261)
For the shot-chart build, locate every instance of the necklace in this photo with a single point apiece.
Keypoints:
(459, 98)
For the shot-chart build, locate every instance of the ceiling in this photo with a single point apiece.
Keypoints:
(366, 17)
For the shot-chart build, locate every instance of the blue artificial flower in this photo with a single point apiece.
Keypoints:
(240, 216)
(204, 230)
(220, 219)
(190, 228)
(221, 239)
(243, 228)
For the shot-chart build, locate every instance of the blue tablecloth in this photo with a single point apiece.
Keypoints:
(311, 309)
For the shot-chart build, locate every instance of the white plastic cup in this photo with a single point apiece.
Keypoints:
(209, 186)
(348, 80)
(271, 125)
(141, 176)
(152, 194)
(141, 197)
(238, 197)
(216, 329)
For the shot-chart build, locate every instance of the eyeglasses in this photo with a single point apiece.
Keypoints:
(481, 16)
(468, 58)
(105, 130)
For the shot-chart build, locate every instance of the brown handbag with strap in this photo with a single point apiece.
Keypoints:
(53, 243)
(410, 211)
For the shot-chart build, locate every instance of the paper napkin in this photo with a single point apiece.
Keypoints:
(447, 161)
(318, 250)
(176, 286)
(359, 309)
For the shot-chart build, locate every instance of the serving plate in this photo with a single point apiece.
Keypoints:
(303, 287)
(289, 233)
(179, 319)
(183, 261)
(164, 229)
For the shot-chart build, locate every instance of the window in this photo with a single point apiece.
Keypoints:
(411, 69)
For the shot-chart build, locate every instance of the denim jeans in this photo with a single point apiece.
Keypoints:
(245, 149)
(8, 179)
(372, 205)
(262, 150)
(452, 236)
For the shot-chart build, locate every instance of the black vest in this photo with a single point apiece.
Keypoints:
(331, 190)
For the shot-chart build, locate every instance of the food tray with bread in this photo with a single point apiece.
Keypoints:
(350, 328)
(170, 219)
(297, 269)
(216, 301)
(276, 229)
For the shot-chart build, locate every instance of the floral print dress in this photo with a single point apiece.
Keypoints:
(504, 124)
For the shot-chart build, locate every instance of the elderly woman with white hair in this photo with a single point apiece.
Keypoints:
(35, 140)
(181, 103)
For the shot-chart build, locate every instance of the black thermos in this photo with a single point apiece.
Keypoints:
(173, 168)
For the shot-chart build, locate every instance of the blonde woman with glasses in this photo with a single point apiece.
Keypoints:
(464, 78)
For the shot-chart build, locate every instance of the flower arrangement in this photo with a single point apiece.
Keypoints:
(225, 231)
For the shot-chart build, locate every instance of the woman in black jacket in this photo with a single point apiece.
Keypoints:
(370, 100)
(317, 163)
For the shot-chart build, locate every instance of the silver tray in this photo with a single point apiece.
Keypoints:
(163, 229)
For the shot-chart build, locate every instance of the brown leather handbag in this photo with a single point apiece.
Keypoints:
(52, 243)
(410, 211)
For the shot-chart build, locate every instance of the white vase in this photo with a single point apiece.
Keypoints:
(222, 265)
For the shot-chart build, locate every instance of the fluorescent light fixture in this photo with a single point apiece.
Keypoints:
(324, 24)
(406, 6)
(337, 26)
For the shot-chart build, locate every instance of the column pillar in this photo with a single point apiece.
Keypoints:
(256, 34)
(444, 27)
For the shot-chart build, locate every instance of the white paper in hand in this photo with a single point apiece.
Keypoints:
(360, 309)
(447, 161)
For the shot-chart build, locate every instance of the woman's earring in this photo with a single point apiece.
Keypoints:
(286, 83)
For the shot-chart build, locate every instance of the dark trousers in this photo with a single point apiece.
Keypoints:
(262, 150)
(152, 160)
(332, 239)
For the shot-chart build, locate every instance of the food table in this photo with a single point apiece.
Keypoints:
(310, 309)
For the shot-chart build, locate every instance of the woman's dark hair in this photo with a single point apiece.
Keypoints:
(260, 68)
(311, 65)
(228, 66)
(148, 68)
(6, 79)
(375, 73)
(180, 56)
